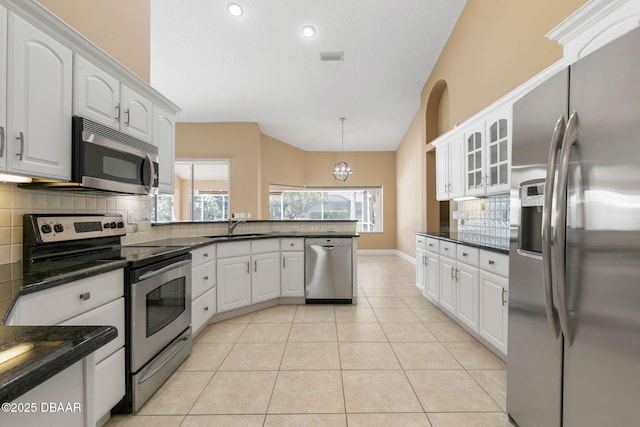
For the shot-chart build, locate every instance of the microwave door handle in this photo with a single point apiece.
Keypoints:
(556, 144)
(149, 186)
(570, 138)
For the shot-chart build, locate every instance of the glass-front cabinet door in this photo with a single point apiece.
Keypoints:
(474, 149)
(498, 150)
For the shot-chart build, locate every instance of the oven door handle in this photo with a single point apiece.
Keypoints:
(155, 273)
(179, 344)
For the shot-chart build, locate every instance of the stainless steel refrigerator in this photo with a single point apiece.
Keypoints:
(574, 305)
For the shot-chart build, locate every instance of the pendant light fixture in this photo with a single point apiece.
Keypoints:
(341, 170)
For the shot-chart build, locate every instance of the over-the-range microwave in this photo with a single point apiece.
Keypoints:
(104, 159)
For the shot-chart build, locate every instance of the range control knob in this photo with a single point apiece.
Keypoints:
(107, 225)
(120, 224)
(58, 228)
(113, 224)
(46, 228)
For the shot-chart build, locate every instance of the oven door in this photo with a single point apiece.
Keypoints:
(106, 163)
(160, 308)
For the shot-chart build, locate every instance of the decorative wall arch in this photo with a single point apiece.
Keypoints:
(437, 114)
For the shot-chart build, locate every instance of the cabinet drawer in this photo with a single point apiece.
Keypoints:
(204, 254)
(265, 245)
(494, 262)
(54, 305)
(433, 245)
(108, 387)
(203, 277)
(233, 249)
(292, 244)
(468, 255)
(448, 249)
(202, 309)
(421, 242)
(109, 314)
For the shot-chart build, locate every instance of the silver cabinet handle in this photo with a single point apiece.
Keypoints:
(284, 262)
(205, 278)
(465, 254)
(491, 262)
(126, 117)
(446, 249)
(1, 141)
(85, 296)
(248, 268)
(255, 266)
(206, 308)
(118, 112)
(504, 292)
(21, 139)
(560, 197)
(451, 273)
(457, 271)
(205, 255)
(430, 245)
(556, 141)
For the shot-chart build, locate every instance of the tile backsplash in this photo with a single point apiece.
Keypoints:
(485, 220)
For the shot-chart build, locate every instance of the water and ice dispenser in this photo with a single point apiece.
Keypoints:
(531, 201)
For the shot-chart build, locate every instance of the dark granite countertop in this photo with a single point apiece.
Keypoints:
(55, 348)
(464, 239)
(199, 241)
(255, 221)
(22, 278)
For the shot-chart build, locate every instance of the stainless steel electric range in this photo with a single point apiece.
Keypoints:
(157, 291)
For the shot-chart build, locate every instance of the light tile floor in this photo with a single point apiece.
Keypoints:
(393, 359)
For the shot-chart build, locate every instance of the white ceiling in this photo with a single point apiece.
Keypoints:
(258, 68)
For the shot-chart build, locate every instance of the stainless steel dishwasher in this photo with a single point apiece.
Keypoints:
(328, 271)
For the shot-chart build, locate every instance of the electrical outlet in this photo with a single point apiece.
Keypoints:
(130, 217)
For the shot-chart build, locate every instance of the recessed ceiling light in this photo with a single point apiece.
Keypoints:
(308, 31)
(234, 9)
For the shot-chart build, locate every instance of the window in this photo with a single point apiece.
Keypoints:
(362, 204)
(201, 193)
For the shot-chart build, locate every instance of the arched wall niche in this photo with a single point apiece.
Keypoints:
(436, 123)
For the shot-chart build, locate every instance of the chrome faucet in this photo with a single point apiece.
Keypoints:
(233, 224)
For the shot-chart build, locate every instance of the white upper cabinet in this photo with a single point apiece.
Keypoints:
(136, 114)
(39, 92)
(96, 94)
(3, 89)
(488, 153)
(164, 134)
(449, 166)
(498, 154)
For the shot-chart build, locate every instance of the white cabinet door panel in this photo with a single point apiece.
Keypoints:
(494, 309)
(96, 94)
(233, 283)
(265, 281)
(467, 309)
(447, 284)
(136, 114)
(292, 277)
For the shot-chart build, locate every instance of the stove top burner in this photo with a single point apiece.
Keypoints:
(68, 240)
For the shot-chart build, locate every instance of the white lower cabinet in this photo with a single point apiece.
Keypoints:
(203, 286)
(432, 284)
(292, 274)
(469, 284)
(64, 387)
(467, 307)
(96, 300)
(234, 282)
(447, 271)
(265, 278)
(494, 308)
(421, 264)
(202, 308)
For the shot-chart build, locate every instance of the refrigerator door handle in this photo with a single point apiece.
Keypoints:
(556, 144)
(570, 138)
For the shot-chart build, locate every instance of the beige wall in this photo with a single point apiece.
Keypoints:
(495, 46)
(119, 27)
(239, 142)
(376, 168)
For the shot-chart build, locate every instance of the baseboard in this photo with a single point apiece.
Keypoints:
(396, 252)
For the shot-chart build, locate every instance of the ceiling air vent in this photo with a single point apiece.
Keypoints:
(331, 56)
